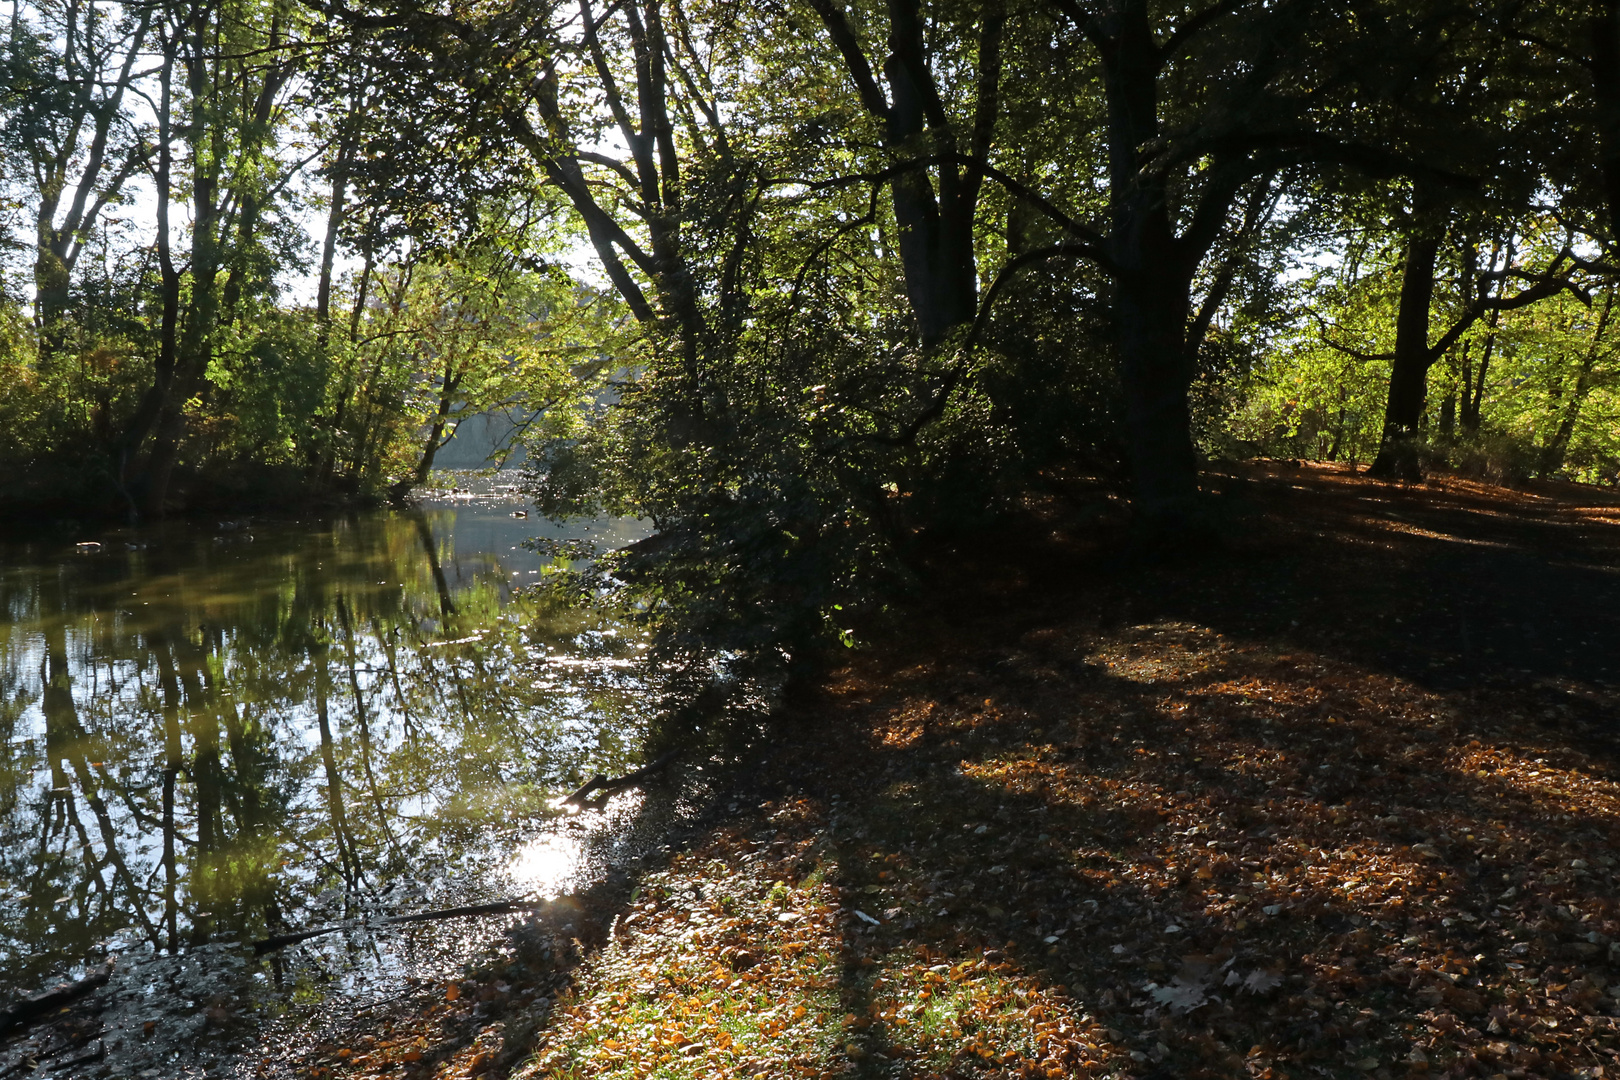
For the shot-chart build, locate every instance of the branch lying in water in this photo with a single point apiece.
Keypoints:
(600, 787)
(592, 794)
(31, 1008)
(497, 907)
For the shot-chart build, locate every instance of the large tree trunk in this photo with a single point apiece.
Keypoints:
(1152, 316)
(1152, 281)
(1604, 63)
(1409, 376)
(936, 236)
(936, 228)
(52, 295)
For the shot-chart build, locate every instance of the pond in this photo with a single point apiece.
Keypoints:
(216, 733)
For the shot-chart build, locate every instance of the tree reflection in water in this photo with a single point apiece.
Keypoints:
(214, 737)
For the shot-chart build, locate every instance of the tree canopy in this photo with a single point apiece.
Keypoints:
(802, 281)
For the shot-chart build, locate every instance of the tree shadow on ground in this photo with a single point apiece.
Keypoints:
(1242, 822)
(1337, 800)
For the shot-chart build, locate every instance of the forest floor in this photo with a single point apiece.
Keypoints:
(1340, 800)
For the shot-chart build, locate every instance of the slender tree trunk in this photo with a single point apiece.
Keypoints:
(1338, 435)
(334, 778)
(202, 724)
(156, 399)
(1473, 389)
(346, 385)
(246, 769)
(172, 763)
(202, 311)
(1473, 382)
(321, 460)
(97, 184)
(424, 533)
(334, 223)
(1398, 447)
(1553, 454)
(363, 724)
(56, 701)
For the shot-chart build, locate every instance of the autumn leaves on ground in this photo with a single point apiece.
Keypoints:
(1340, 801)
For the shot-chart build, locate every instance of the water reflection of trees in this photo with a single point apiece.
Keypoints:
(205, 737)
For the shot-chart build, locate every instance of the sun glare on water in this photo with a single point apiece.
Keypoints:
(547, 865)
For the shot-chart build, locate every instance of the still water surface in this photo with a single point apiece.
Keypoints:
(214, 733)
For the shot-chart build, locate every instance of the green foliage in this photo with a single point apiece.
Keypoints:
(1529, 393)
(871, 270)
(1318, 392)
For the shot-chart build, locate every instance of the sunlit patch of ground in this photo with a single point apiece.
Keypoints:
(1271, 866)
(745, 960)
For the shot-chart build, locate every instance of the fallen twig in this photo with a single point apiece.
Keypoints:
(21, 1013)
(601, 786)
(496, 907)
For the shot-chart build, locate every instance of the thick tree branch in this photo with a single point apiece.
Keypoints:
(953, 378)
(855, 62)
(1549, 285)
(1195, 25)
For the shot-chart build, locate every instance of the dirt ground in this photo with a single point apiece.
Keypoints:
(1340, 800)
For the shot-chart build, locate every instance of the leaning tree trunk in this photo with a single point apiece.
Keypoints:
(441, 420)
(1553, 454)
(1398, 448)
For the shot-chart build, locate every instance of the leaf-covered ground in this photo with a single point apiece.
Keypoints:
(1343, 800)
